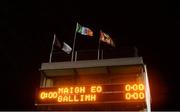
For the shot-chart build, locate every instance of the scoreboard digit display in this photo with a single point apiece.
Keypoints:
(91, 94)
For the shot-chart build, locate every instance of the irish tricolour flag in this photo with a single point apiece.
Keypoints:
(83, 30)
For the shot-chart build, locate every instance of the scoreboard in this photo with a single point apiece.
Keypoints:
(83, 94)
(108, 84)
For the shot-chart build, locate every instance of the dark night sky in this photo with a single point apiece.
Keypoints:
(152, 26)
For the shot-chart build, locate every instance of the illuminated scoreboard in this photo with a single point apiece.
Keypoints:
(110, 84)
(114, 93)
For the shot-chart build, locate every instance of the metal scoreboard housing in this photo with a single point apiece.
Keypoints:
(108, 84)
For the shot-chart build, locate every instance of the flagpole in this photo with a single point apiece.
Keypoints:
(52, 48)
(74, 42)
(99, 49)
(102, 54)
(99, 45)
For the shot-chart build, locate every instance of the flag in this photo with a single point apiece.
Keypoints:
(83, 30)
(66, 48)
(57, 43)
(106, 38)
(63, 46)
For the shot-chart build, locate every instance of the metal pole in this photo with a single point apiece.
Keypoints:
(52, 47)
(99, 48)
(102, 54)
(75, 56)
(74, 42)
